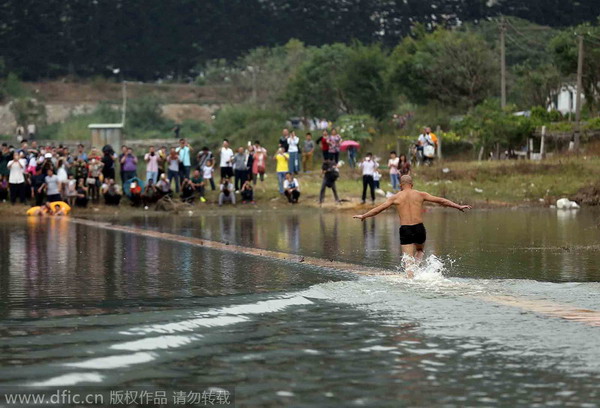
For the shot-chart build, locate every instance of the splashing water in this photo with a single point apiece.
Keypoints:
(430, 269)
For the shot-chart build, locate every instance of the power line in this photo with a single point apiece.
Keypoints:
(524, 36)
(516, 42)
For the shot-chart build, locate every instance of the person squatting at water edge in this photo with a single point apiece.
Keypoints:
(409, 204)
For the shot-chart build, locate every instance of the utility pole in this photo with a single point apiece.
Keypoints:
(578, 93)
(502, 63)
(124, 109)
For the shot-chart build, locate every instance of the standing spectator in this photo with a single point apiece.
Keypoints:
(323, 124)
(334, 141)
(259, 163)
(281, 157)
(37, 181)
(31, 130)
(81, 154)
(307, 153)
(80, 169)
(93, 180)
(376, 180)
(394, 166)
(293, 163)
(173, 169)
(330, 175)
(184, 150)
(71, 190)
(16, 178)
(152, 163)
(240, 169)
(108, 164)
(247, 192)
(352, 156)
(52, 186)
(176, 130)
(3, 189)
(226, 193)
(226, 160)
(208, 173)
(162, 161)
(5, 157)
(404, 166)
(368, 166)
(283, 140)
(249, 162)
(204, 155)
(63, 175)
(292, 188)
(324, 145)
(121, 157)
(198, 184)
(128, 165)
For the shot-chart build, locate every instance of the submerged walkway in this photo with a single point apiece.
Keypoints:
(542, 307)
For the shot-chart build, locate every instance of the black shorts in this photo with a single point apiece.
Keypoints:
(226, 172)
(412, 234)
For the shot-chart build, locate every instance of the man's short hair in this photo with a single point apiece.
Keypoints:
(308, 134)
(257, 142)
(393, 152)
(181, 140)
(288, 173)
(204, 149)
(225, 140)
(406, 180)
(369, 154)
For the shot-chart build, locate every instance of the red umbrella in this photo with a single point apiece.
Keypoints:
(349, 143)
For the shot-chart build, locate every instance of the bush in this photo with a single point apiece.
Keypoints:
(356, 127)
(146, 115)
(242, 123)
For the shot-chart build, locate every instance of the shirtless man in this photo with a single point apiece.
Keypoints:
(409, 203)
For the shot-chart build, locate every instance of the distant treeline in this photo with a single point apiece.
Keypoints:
(150, 39)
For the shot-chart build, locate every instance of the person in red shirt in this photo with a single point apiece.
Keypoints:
(324, 145)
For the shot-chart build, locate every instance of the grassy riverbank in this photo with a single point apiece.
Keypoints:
(482, 184)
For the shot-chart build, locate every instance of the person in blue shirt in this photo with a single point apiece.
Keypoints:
(184, 150)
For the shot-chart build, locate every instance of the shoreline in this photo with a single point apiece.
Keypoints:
(7, 209)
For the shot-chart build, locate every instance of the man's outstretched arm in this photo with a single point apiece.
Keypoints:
(375, 210)
(445, 202)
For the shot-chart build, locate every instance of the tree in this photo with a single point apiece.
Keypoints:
(565, 50)
(364, 81)
(537, 86)
(494, 127)
(314, 91)
(455, 68)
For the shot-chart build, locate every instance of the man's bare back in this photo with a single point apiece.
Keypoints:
(409, 204)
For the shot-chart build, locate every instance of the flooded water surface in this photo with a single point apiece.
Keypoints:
(504, 312)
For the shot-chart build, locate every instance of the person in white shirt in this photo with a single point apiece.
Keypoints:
(16, 178)
(291, 187)
(369, 167)
(394, 166)
(293, 163)
(226, 160)
(207, 173)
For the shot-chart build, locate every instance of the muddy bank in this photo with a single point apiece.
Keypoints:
(589, 195)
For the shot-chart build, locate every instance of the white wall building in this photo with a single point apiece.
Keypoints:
(565, 100)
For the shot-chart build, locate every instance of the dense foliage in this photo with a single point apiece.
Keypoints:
(148, 39)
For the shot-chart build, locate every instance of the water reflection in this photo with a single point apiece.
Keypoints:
(537, 244)
(52, 266)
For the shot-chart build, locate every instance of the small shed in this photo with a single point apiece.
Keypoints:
(107, 134)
